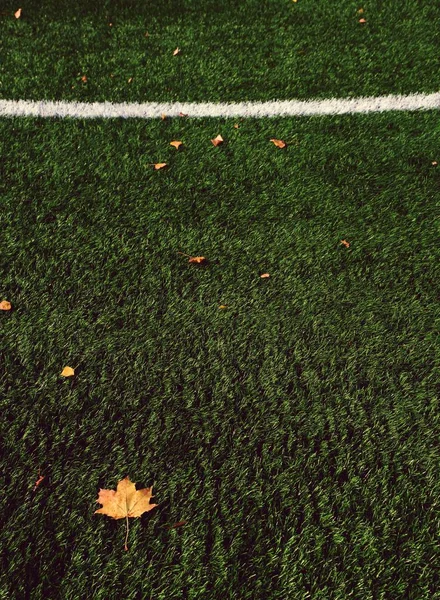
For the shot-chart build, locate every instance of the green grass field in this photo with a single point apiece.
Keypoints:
(295, 431)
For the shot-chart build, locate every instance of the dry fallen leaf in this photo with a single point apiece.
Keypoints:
(158, 166)
(125, 502)
(194, 259)
(265, 276)
(236, 126)
(17, 13)
(197, 259)
(346, 244)
(434, 163)
(223, 306)
(39, 480)
(176, 144)
(176, 51)
(360, 11)
(362, 20)
(163, 116)
(68, 372)
(181, 114)
(130, 80)
(278, 143)
(84, 78)
(5, 305)
(218, 140)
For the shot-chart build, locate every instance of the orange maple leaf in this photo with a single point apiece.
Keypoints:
(346, 244)
(126, 502)
(176, 144)
(5, 305)
(278, 143)
(218, 140)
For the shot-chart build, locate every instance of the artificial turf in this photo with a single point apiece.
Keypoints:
(230, 50)
(296, 431)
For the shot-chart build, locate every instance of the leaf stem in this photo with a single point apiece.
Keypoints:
(126, 535)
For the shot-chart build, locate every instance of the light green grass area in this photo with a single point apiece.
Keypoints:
(296, 431)
(231, 51)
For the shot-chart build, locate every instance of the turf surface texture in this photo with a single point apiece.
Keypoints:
(230, 51)
(295, 431)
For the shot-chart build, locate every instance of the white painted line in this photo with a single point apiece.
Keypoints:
(275, 108)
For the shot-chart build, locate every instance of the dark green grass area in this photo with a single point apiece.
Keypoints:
(231, 51)
(295, 431)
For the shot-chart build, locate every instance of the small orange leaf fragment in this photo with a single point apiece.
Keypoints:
(181, 114)
(176, 52)
(17, 13)
(362, 20)
(218, 140)
(265, 276)
(346, 244)
(197, 259)
(158, 166)
(176, 144)
(84, 78)
(163, 116)
(278, 143)
(223, 306)
(236, 126)
(68, 372)
(39, 480)
(5, 305)
(434, 163)
(130, 80)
